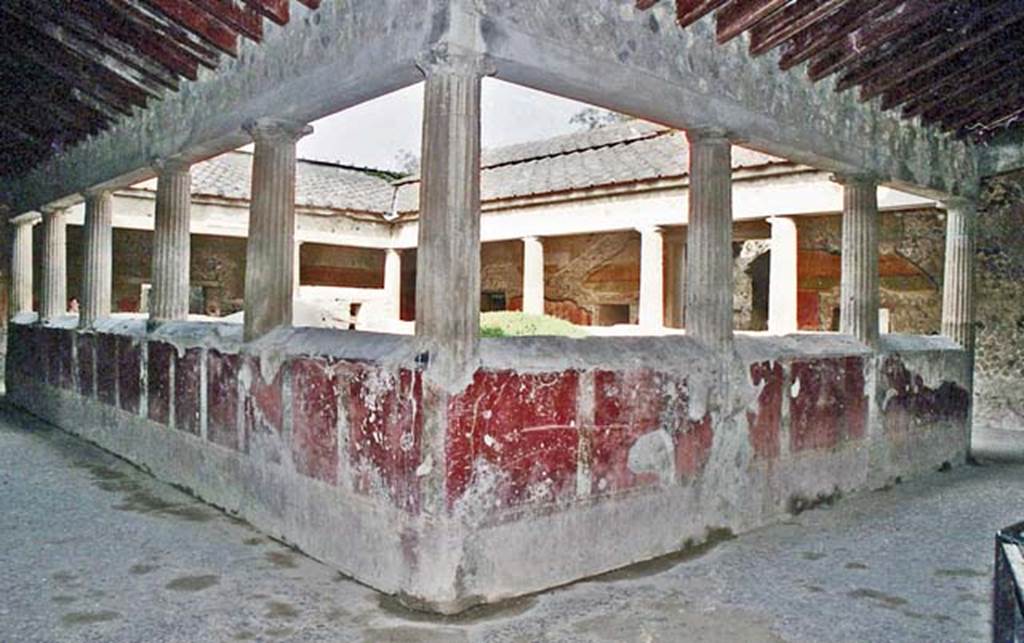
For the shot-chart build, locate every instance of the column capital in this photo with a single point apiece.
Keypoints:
(170, 164)
(532, 237)
(961, 203)
(442, 59)
(28, 218)
(854, 178)
(94, 193)
(50, 211)
(276, 130)
(708, 135)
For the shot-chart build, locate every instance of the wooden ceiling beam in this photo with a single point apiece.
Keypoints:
(831, 33)
(199, 22)
(106, 87)
(891, 28)
(152, 23)
(776, 29)
(972, 76)
(240, 18)
(984, 29)
(91, 37)
(55, 35)
(981, 103)
(741, 15)
(690, 11)
(276, 10)
(986, 119)
(164, 51)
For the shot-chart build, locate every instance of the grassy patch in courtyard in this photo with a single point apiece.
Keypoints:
(516, 324)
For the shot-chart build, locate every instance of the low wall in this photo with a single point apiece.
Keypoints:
(560, 459)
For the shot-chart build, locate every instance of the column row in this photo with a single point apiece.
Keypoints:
(449, 241)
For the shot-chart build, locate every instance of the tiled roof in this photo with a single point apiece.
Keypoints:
(316, 184)
(624, 153)
(618, 154)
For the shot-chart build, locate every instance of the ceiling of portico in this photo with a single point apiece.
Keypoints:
(955, 64)
(73, 68)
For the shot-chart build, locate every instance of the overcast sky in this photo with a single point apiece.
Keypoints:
(374, 134)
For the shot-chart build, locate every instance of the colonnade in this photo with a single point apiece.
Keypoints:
(448, 255)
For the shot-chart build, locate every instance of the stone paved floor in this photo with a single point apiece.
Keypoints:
(94, 550)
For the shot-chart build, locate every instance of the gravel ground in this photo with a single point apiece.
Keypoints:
(92, 549)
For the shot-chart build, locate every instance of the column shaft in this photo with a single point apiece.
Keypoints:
(709, 269)
(270, 265)
(21, 267)
(859, 284)
(533, 276)
(171, 243)
(448, 258)
(97, 271)
(53, 296)
(393, 283)
(958, 284)
(782, 287)
(652, 279)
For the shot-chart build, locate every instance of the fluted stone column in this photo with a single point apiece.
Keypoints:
(97, 262)
(269, 260)
(393, 283)
(171, 242)
(859, 284)
(21, 263)
(782, 287)
(533, 276)
(709, 292)
(652, 280)
(53, 295)
(958, 284)
(675, 288)
(448, 257)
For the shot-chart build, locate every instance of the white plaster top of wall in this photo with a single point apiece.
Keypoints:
(800, 193)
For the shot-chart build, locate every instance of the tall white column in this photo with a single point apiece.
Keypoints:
(21, 263)
(709, 292)
(958, 283)
(533, 276)
(53, 296)
(859, 283)
(393, 283)
(782, 286)
(448, 257)
(171, 242)
(97, 272)
(652, 279)
(269, 258)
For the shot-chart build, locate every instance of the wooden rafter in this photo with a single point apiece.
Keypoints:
(72, 68)
(953, 63)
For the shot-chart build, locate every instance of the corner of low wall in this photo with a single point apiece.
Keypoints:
(560, 459)
(319, 448)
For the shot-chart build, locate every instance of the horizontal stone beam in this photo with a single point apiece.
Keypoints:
(344, 53)
(1003, 154)
(608, 53)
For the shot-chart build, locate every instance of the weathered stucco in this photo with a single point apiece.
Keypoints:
(557, 448)
(999, 346)
(606, 53)
(610, 54)
(344, 53)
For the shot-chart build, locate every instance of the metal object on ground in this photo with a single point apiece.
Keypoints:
(1008, 586)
